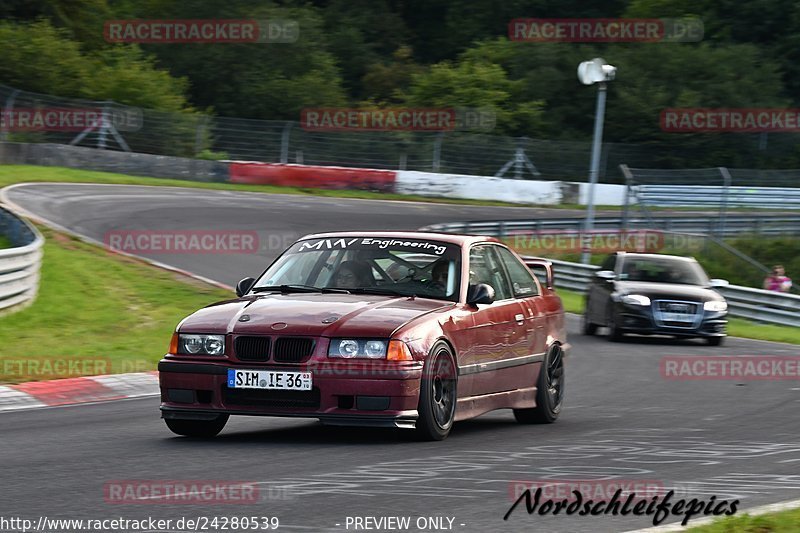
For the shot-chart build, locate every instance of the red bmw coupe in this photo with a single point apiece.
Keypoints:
(411, 330)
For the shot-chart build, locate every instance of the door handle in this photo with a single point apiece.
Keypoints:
(519, 318)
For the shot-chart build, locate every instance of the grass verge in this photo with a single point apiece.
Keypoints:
(96, 313)
(781, 522)
(737, 327)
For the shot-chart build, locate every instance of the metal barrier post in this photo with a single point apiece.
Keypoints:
(726, 190)
(285, 142)
(626, 172)
(437, 152)
(7, 109)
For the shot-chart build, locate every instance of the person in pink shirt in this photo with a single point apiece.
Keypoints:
(778, 280)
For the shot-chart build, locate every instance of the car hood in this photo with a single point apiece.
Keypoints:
(656, 291)
(311, 314)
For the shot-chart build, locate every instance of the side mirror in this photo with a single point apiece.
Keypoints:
(717, 283)
(607, 275)
(244, 286)
(480, 294)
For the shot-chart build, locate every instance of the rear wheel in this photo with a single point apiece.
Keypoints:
(197, 428)
(550, 391)
(437, 394)
(587, 326)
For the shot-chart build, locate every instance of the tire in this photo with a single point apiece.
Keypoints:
(197, 428)
(549, 393)
(437, 394)
(614, 333)
(587, 327)
(715, 341)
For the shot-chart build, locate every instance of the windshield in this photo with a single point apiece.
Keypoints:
(663, 270)
(406, 267)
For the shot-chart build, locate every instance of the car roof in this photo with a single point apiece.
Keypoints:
(452, 238)
(646, 255)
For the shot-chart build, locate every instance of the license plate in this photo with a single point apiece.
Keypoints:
(678, 308)
(677, 317)
(268, 379)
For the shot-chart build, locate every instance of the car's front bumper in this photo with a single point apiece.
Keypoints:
(641, 320)
(381, 395)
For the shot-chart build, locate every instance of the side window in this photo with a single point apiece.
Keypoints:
(609, 263)
(522, 283)
(485, 268)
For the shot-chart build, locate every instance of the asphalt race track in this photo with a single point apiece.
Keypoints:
(622, 422)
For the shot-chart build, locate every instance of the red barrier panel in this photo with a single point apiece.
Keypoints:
(311, 176)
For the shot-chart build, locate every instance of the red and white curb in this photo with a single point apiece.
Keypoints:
(73, 391)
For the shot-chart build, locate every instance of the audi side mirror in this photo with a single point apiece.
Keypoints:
(607, 275)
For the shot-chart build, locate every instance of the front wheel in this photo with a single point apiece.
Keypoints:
(197, 428)
(549, 393)
(437, 394)
(615, 334)
(715, 341)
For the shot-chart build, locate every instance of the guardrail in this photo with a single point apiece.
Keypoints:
(19, 265)
(744, 302)
(734, 225)
(713, 196)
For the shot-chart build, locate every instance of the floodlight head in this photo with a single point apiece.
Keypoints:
(596, 71)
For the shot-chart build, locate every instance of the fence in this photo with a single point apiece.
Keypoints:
(199, 136)
(754, 304)
(19, 264)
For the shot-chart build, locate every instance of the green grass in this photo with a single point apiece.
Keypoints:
(4, 242)
(737, 327)
(782, 522)
(97, 308)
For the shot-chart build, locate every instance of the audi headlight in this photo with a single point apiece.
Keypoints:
(201, 344)
(716, 306)
(363, 348)
(635, 299)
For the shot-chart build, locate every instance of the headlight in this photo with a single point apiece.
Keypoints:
(201, 344)
(635, 299)
(350, 348)
(716, 306)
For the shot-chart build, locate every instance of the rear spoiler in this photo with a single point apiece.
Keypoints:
(538, 264)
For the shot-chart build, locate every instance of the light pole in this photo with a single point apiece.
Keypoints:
(589, 73)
